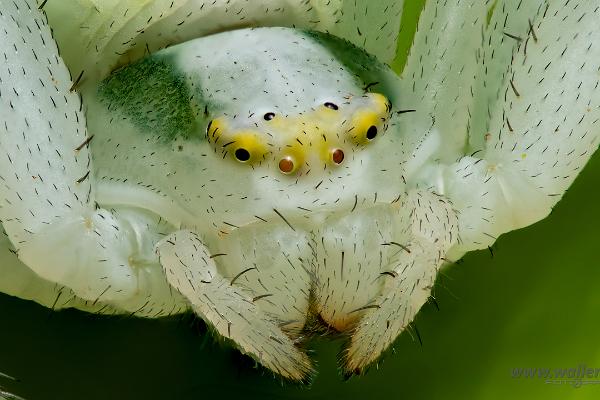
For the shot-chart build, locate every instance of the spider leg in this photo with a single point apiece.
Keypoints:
(438, 81)
(101, 35)
(231, 310)
(430, 229)
(454, 75)
(510, 23)
(48, 208)
(268, 262)
(542, 131)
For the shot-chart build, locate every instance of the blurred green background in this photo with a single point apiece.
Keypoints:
(534, 303)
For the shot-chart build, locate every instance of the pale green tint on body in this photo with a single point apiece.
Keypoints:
(511, 311)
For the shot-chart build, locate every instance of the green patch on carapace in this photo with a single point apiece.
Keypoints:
(154, 96)
(366, 68)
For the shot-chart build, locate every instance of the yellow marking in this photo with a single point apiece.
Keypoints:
(296, 152)
(251, 142)
(381, 102)
(305, 138)
(312, 132)
(364, 119)
(216, 129)
(361, 123)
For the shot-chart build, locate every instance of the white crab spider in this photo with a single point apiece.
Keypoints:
(271, 175)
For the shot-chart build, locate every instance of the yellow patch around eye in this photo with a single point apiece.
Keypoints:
(296, 154)
(364, 124)
(246, 146)
(382, 104)
(369, 122)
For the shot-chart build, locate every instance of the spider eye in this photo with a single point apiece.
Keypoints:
(372, 132)
(331, 106)
(286, 165)
(242, 155)
(246, 147)
(269, 116)
(370, 120)
(337, 156)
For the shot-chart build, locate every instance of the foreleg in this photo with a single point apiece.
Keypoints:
(47, 199)
(232, 311)
(542, 132)
(430, 227)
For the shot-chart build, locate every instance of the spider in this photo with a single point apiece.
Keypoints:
(270, 171)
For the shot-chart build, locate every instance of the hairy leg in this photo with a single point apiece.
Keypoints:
(270, 262)
(430, 227)
(47, 197)
(231, 310)
(543, 128)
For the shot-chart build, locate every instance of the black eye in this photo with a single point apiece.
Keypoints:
(372, 132)
(242, 155)
(331, 106)
(269, 116)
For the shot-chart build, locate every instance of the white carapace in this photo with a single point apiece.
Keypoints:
(276, 179)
